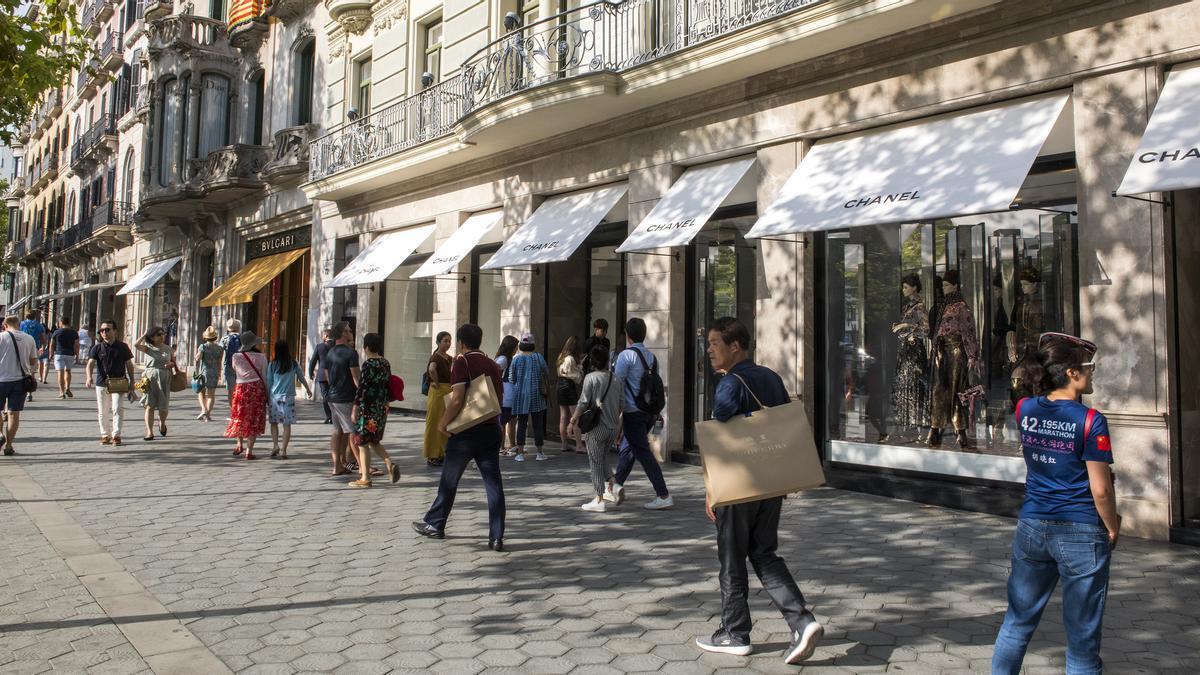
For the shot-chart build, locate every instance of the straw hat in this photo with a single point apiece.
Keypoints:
(249, 340)
(210, 333)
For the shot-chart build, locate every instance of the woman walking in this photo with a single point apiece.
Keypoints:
(156, 379)
(282, 375)
(85, 343)
(208, 367)
(604, 390)
(248, 411)
(371, 411)
(438, 373)
(1068, 525)
(528, 374)
(508, 423)
(570, 377)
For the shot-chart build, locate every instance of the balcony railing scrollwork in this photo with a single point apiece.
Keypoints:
(599, 37)
(185, 32)
(231, 165)
(289, 156)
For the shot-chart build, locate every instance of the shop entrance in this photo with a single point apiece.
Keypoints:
(722, 271)
(1186, 214)
(279, 309)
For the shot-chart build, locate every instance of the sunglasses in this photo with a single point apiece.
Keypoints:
(105, 330)
(1047, 339)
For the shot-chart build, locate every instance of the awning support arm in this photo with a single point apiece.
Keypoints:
(802, 242)
(1165, 203)
(1021, 207)
(673, 254)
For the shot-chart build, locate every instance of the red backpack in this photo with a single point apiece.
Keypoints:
(396, 387)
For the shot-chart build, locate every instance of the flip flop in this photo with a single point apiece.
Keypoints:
(394, 472)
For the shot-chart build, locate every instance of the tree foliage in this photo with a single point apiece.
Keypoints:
(40, 44)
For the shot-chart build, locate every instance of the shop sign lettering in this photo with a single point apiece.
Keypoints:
(279, 243)
(677, 225)
(544, 246)
(909, 196)
(1169, 155)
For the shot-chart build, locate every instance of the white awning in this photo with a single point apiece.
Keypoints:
(687, 206)
(149, 275)
(557, 227)
(379, 259)
(20, 303)
(1168, 157)
(454, 249)
(950, 166)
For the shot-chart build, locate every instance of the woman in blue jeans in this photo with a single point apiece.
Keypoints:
(1068, 523)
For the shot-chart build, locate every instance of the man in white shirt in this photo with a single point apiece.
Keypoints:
(18, 358)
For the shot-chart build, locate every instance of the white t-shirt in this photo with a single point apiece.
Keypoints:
(10, 367)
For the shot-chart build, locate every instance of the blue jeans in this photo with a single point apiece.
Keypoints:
(482, 444)
(635, 445)
(1043, 552)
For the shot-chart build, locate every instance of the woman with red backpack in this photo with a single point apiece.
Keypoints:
(375, 392)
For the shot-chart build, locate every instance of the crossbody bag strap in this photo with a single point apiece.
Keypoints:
(260, 377)
(13, 342)
(747, 386)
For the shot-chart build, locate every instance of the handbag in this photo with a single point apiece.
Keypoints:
(590, 418)
(396, 387)
(29, 383)
(544, 384)
(117, 385)
(481, 402)
(179, 380)
(768, 454)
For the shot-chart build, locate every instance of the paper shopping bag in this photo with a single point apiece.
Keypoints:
(768, 454)
(481, 404)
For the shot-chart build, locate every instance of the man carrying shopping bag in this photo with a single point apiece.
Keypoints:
(750, 529)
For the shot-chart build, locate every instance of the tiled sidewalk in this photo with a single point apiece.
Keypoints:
(275, 567)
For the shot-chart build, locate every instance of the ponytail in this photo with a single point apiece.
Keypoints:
(1046, 370)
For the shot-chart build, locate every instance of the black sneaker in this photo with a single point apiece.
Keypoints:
(496, 545)
(804, 641)
(426, 530)
(722, 642)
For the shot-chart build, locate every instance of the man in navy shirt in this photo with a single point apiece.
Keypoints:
(636, 425)
(751, 530)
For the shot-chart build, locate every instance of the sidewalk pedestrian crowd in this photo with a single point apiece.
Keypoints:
(485, 408)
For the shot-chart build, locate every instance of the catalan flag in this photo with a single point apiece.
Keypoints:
(241, 11)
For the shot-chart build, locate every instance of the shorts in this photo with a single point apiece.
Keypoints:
(340, 414)
(63, 361)
(12, 394)
(505, 414)
(43, 355)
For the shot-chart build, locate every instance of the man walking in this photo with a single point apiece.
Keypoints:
(316, 370)
(632, 364)
(18, 358)
(480, 443)
(751, 530)
(65, 343)
(231, 342)
(34, 328)
(599, 336)
(342, 375)
(109, 358)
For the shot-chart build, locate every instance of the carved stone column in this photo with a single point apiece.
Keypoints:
(193, 123)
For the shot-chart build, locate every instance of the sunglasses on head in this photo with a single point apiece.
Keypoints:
(1049, 338)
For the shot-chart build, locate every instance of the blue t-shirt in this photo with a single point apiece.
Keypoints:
(34, 329)
(1056, 452)
(630, 369)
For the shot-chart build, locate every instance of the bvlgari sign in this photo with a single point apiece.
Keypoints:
(279, 243)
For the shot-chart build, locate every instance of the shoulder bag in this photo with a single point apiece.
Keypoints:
(480, 402)
(770, 453)
(112, 384)
(29, 383)
(589, 419)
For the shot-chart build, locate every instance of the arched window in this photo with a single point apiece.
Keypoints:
(306, 60)
(257, 104)
(214, 113)
(168, 128)
(72, 217)
(128, 176)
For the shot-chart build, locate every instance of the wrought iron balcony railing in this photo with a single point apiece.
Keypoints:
(599, 37)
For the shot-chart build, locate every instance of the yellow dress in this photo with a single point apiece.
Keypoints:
(435, 441)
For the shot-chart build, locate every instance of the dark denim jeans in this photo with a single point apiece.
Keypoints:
(482, 444)
(538, 421)
(1043, 552)
(635, 445)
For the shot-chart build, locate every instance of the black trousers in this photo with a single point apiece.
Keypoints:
(482, 444)
(751, 530)
(324, 385)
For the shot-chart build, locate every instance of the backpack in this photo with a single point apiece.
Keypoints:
(651, 396)
(396, 387)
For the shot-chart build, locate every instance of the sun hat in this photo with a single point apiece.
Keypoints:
(249, 340)
(527, 342)
(210, 333)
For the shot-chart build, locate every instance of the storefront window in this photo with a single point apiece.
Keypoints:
(406, 318)
(488, 301)
(926, 325)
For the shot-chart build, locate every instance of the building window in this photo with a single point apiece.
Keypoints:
(168, 115)
(305, 67)
(528, 11)
(927, 323)
(407, 326)
(216, 9)
(214, 113)
(257, 100)
(362, 79)
(128, 178)
(432, 45)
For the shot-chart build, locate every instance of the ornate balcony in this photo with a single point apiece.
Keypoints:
(111, 54)
(225, 175)
(19, 249)
(94, 145)
(561, 64)
(101, 11)
(185, 33)
(87, 20)
(138, 28)
(50, 168)
(87, 80)
(107, 228)
(289, 154)
(16, 189)
(157, 9)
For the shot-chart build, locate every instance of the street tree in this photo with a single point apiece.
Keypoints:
(40, 44)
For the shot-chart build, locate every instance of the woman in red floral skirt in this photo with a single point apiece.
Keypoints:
(248, 414)
(371, 410)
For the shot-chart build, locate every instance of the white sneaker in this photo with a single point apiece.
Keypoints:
(804, 641)
(660, 503)
(618, 491)
(610, 497)
(541, 456)
(519, 457)
(594, 506)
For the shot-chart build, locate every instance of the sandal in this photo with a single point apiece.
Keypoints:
(238, 449)
(105, 440)
(393, 472)
(360, 483)
(275, 453)
(250, 456)
(116, 440)
(343, 472)
(162, 428)
(8, 451)
(148, 438)
(376, 471)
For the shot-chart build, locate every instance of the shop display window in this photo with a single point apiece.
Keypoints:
(926, 325)
(406, 323)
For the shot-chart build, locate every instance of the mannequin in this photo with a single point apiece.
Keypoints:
(1025, 326)
(955, 355)
(910, 390)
